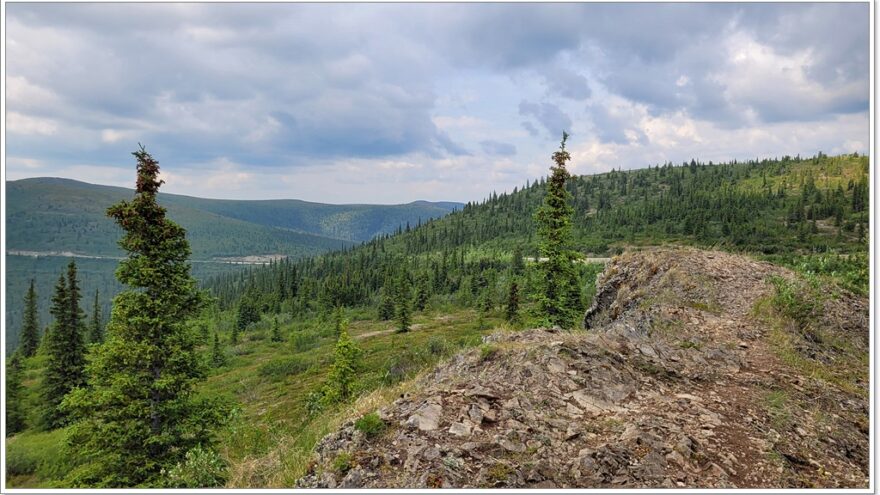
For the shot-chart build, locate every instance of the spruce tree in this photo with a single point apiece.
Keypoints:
(517, 264)
(65, 346)
(15, 411)
(402, 302)
(138, 415)
(218, 357)
(554, 301)
(511, 310)
(276, 331)
(422, 293)
(386, 306)
(96, 326)
(30, 331)
(340, 381)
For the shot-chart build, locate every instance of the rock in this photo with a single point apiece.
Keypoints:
(460, 429)
(480, 391)
(431, 453)
(512, 446)
(353, 479)
(475, 414)
(426, 418)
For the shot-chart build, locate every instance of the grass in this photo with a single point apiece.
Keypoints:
(276, 433)
(776, 403)
(793, 316)
(370, 425)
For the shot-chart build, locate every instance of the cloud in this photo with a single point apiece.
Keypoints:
(331, 94)
(491, 147)
(550, 116)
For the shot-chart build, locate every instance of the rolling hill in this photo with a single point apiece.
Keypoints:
(48, 219)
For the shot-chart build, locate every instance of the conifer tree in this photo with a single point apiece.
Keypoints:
(15, 413)
(96, 326)
(554, 303)
(511, 311)
(340, 382)
(218, 357)
(517, 265)
(386, 304)
(65, 366)
(30, 330)
(276, 331)
(138, 415)
(402, 302)
(422, 293)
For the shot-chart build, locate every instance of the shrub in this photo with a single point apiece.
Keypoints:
(283, 367)
(19, 461)
(342, 463)
(370, 425)
(201, 468)
(799, 301)
(437, 345)
(403, 366)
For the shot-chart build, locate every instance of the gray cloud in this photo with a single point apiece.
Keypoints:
(551, 117)
(498, 148)
(295, 85)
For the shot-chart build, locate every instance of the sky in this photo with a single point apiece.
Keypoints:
(391, 103)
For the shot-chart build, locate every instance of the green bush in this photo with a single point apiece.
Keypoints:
(305, 340)
(403, 366)
(799, 301)
(201, 468)
(342, 463)
(437, 345)
(19, 461)
(41, 454)
(370, 425)
(280, 368)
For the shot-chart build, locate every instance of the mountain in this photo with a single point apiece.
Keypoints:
(679, 382)
(49, 214)
(781, 209)
(62, 217)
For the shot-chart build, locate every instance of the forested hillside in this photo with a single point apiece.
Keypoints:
(811, 212)
(49, 215)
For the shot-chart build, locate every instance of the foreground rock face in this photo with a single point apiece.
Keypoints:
(677, 383)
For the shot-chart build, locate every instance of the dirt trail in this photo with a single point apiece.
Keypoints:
(682, 380)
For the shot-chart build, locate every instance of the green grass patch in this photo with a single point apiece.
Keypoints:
(370, 425)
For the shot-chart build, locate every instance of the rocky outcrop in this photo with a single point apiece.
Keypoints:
(678, 383)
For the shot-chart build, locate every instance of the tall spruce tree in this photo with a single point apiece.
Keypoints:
(402, 303)
(65, 346)
(422, 294)
(138, 416)
(276, 331)
(555, 301)
(15, 412)
(511, 310)
(30, 330)
(96, 326)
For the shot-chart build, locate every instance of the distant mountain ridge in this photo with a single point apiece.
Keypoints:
(53, 214)
(55, 218)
